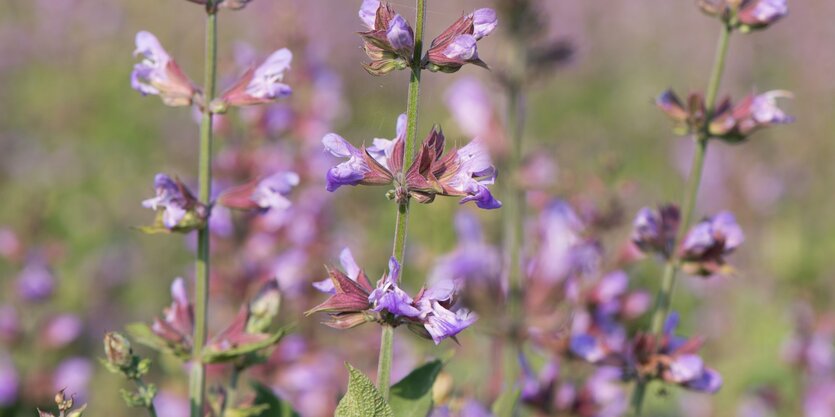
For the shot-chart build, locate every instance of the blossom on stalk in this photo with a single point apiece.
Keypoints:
(389, 41)
(259, 85)
(754, 112)
(464, 172)
(269, 193)
(672, 359)
(158, 74)
(731, 123)
(705, 246)
(655, 230)
(177, 208)
(433, 314)
(457, 45)
(35, 282)
(177, 324)
(747, 15)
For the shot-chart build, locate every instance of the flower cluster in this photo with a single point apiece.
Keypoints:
(434, 313)
(463, 172)
(731, 123)
(389, 40)
(702, 250)
(746, 15)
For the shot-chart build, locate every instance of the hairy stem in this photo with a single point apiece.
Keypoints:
(399, 249)
(663, 301)
(197, 382)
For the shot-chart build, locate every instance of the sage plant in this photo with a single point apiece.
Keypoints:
(182, 330)
(419, 171)
(701, 249)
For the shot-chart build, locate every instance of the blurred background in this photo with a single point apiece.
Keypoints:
(79, 150)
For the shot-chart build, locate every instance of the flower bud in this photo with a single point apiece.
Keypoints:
(264, 308)
(117, 349)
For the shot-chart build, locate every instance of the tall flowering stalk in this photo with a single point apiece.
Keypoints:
(704, 118)
(421, 172)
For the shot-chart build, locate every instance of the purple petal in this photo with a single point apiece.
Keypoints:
(587, 347)
(710, 382)
(399, 34)
(462, 48)
(686, 368)
(484, 22)
(368, 12)
(725, 224)
(271, 192)
(266, 81)
(443, 323)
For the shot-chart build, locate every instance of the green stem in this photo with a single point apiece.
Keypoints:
(384, 364)
(197, 382)
(513, 201)
(663, 301)
(232, 391)
(401, 225)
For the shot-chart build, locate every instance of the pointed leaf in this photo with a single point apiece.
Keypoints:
(412, 395)
(271, 404)
(362, 398)
(505, 405)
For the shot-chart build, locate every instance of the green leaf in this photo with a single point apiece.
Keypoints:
(412, 395)
(362, 398)
(215, 356)
(272, 406)
(505, 405)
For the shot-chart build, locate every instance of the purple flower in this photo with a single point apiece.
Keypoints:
(442, 323)
(819, 400)
(655, 230)
(400, 35)
(62, 330)
(588, 348)
(759, 14)
(177, 324)
(177, 207)
(352, 271)
(368, 12)
(470, 105)
(9, 381)
(35, 282)
(754, 112)
(158, 74)
(473, 262)
(456, 46)
(389, 40)
(259, 85)
(464, 173)
(709, 241)
(389, 297)
(271, 192)
(73, 375)
(484, 22)
(563, 251)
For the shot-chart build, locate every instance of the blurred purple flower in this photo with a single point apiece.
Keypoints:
(819, 399)
(158, 74)
(73, 375)
(758, 14)
(563, 250)
(175, 203)
(9, 324)
(62, 330)
(708, 242)
(10, 246)
(177, 324)
(655, 230)
(35, 282)
(269, 193)
(169, 404)
(474, 262)
(9, 381)
(754, 112)
(442, 323)
(259, 85)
